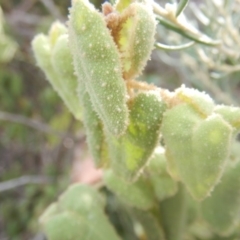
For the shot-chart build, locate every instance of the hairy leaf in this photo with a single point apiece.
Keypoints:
(80, 216)
(230, 114)
(174, 215)
(211, 145)
(136, 40)
(97, 61)
(156, 171)
(122, 4)
(198, 148)
(177, 129)
(150, 224)
(53, 57)
(200, 101)
(222, 209)
(94, 129)
(138, 194)
(63, 65)
(130, 152)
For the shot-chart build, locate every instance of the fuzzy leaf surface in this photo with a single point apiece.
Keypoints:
(164, 186)
(129, 153)
(97, 62)
(138, 194)
(80, 216)
(197, 148)
(222, 209)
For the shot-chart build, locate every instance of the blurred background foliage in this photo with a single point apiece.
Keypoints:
(37, 133)
(41, 143)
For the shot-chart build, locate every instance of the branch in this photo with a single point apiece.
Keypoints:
(21, 181)
(4, 116)
(50, 6)
(167, 17)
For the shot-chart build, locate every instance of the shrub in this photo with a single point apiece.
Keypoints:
(167, 156)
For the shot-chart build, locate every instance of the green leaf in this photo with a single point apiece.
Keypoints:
(57, 29)
(150, 224)
(178, 140)
(198, 148)
(201, 38)
(49, 212)
(63, 66)
(138, 194)
(42, 52)
(173, 48)
(93, 124)
(171, 166)
(65, 226)
(122, 4)
(156, 171)
(200, 230)
(54, 58)
(130, 152)
(81, 199)
(211, 145)
(192, 210)
(173, 214)
(94, 129)
(8, 48)
(136, 38)
(222, 209)
(201, 102)
(181, 6)
(97, 63)
(80, 216)
(229, 114)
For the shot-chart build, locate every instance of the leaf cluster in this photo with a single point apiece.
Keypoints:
(167, 155)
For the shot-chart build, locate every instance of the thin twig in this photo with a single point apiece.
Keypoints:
(173, 48)
(21, 181)
(26, 5)
(4, 116)
(49, 4)
(167, 17)
(39, 236)
(140, 85)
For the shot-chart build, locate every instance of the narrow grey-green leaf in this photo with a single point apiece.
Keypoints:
(58, 68)
(63, 65)
(173, 48)
(203, 39)
(181, 6)
(42, 52)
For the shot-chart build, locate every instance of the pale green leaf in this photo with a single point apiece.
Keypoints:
(138, 194)
(130, 152)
